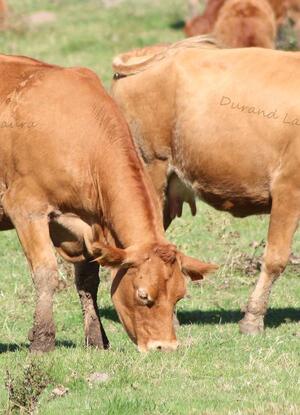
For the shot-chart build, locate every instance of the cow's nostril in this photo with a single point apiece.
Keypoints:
(142, 293)
(162, 345)
(144, 297)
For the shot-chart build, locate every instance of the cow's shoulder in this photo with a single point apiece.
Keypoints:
(83, 79)
(82, 74)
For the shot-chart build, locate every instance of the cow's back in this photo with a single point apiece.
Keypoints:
(52, 120)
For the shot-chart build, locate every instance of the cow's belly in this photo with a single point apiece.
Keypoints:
(239, 206)
(226, 174)
(240, 196)
(232, 155)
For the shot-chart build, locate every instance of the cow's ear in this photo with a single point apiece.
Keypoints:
(195, 269)
(110, 256)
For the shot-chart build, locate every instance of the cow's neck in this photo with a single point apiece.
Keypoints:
(150, 110)
(131, 217)
(126, 195)
(150, 117)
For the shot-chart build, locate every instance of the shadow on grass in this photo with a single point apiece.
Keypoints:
(14, 347)
(65, 343)
(109, 313)
(275, 316)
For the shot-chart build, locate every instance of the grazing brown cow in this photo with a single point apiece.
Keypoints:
(246, 23)
(68, 165)
(228, 125)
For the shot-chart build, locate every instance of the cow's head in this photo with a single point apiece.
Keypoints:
(148, 282)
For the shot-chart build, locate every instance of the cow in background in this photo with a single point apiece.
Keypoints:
(240, 23)
(246, 23)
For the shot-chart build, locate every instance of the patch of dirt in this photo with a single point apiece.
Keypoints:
(40, 18)
(98, 377)
(59, 391)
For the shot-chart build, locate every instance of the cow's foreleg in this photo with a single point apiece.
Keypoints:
(87, 283)
(283, 223)
(31, 222)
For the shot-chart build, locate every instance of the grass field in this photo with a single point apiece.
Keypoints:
(216, 370)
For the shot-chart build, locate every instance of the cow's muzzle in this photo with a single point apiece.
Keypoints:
(166, 346)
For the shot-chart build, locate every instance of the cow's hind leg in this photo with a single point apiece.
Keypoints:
(87, 283)
(31, 222)
(283, 223)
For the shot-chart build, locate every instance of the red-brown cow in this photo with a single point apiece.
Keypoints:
(68, 165)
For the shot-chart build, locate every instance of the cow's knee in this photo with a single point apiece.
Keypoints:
(46, 278)
(274, 265)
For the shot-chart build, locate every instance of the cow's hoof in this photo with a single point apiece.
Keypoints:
(252, 327)
(41, 342)
(97, 343)
(38, 347)
(95, 335)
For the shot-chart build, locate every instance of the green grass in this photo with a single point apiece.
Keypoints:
(216, 370)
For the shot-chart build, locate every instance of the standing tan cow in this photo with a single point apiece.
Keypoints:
(68, 165)
(229, 126)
